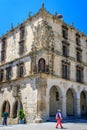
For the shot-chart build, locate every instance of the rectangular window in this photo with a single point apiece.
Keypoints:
(65, 32)
(21, 47)
(65, 50)
(79, 55)
(3, 50)
(78, 39)
(65, 71)
(1, 75)
(20, 70)
(8, 73)
(79, 75)
(3, 55)
(4, 44)
(22, 33)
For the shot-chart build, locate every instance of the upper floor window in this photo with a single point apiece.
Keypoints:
(77, 39)
(22, 32)
(3, 43)
(3, 49)
(65, 49)
(79, 54)
(41, 65)
(86, 43)
(8, 73)
(65, 32)
(65, 70)
(21, 47)
(20, 70)
(79, 74)
(1, 75)
(3, 55)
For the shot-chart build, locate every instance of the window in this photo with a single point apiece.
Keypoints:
(86, 43)
(65, 32)
(65, 49)
(79, 54)
(3, 55)
(20, 70)
(77, 39)
(1, 75)
(8, 73)
(3, 49)
(41, 65)
(21, 47)
(4, 44)
(65, 70)
(79, 74)
(22, 32)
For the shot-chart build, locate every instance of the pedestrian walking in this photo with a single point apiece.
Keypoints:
(5, 116)
(59, 119)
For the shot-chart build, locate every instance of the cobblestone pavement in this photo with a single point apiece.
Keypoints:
(76, 125)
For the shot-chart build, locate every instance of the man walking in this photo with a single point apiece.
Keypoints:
(5, 116)
(59, 119)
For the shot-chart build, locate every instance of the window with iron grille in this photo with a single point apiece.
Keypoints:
(65, 32)
(8, 73)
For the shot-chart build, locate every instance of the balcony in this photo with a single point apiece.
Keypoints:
(38, 69)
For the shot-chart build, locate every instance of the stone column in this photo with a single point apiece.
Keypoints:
(41, 102)
(78, 114)
(63, 100)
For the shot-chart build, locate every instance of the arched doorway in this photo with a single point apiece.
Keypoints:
(16, 108)
(83, 106)
(6, 107)
(70, 103)
(54, 102)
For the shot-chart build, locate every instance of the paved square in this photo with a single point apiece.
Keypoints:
(73, 125)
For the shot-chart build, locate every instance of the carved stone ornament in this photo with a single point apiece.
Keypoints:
(15, 91)
(2, 90)
(43, 35)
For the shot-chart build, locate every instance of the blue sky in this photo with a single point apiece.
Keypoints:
(16, 11)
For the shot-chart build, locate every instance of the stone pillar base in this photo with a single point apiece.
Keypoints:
(38, 119)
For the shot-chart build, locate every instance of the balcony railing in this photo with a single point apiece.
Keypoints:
(37, 69)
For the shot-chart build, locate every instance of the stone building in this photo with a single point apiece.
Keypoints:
(43, 67)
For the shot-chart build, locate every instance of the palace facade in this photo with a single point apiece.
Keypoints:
(43, 67)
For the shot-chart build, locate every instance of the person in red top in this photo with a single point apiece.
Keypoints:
(59, 118)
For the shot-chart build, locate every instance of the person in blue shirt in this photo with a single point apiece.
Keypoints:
(5, 116)
(59, 118)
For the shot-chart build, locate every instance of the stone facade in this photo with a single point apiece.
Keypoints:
(43, 67)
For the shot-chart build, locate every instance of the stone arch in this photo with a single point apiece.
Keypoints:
(41, 65)
(54, 101)
(16, 106)
(70, 102)
(83, 104)
(6, 107)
